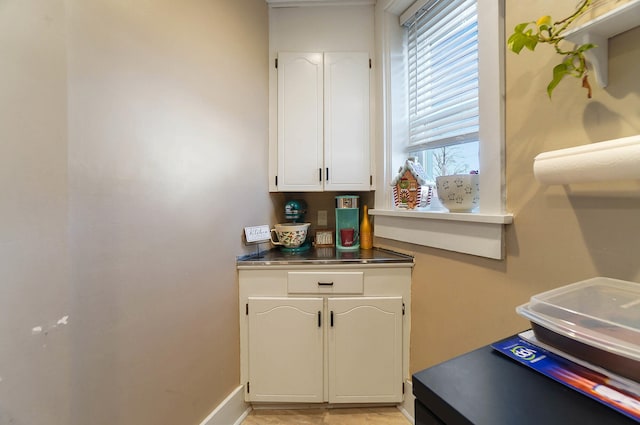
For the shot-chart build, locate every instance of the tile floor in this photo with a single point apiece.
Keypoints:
(336, 416)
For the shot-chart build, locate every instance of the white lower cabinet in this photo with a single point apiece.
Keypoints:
(345, 343)
(365, 349)
(285, 349)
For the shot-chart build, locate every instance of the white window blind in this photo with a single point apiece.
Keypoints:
(443, 74)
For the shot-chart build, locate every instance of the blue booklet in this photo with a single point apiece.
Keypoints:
(586, 381)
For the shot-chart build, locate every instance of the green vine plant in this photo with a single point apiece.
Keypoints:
(530, 34)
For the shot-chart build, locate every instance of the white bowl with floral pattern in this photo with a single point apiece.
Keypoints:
(459, 192)
(290, 235)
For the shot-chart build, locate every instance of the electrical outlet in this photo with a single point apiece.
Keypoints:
(322, 218)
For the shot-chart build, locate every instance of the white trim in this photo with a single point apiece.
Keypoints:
(492, 104)
(408, 14)
(393, 105)
(444, 215)
(298, 3)
(482, 239)
(232, 410)
(407, 408)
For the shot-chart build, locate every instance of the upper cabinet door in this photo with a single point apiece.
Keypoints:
(300, 122)
(346, 127)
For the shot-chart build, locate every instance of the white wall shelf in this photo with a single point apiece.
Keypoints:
(599, 30)
(617, 159)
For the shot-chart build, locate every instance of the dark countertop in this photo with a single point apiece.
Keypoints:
(484, 387)
(324, 256)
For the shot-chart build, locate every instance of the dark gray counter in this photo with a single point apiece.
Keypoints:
(326, 256)
(484, 387)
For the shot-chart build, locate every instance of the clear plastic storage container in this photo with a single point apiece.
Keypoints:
(596, 320)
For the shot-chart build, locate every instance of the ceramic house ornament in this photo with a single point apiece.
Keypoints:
(410, 187)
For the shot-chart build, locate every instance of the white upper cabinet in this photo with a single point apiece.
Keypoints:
(321, 98)
(323, 131)
(346, 127)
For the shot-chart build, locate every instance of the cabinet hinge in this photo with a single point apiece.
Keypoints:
(403, 309)
(248, 391)
(277, 63)
(247, 309)
(369, 63)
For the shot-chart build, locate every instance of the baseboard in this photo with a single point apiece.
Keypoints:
(302, 406)
(408, 405)
(231, 411)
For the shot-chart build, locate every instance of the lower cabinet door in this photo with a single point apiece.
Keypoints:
(365, 349)
(285, 349)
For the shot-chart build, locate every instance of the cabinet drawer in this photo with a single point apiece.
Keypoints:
(325, 282)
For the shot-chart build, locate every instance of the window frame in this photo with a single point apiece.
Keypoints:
(479, 233)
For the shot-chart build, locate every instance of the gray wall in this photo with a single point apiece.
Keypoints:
(134, 146)
(35, 290)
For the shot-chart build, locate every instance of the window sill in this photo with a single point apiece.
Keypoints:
(470, 233)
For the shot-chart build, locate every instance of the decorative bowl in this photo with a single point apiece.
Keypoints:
(290, 235)
(459, 192)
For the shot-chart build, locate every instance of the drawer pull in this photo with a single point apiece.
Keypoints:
(319, 319)
(325, 283)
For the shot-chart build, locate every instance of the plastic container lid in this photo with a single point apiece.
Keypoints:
(601, 312)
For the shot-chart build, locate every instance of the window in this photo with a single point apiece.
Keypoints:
(464, 63)
(442, 68)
